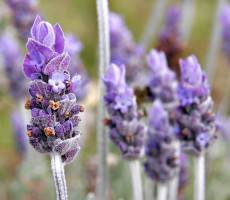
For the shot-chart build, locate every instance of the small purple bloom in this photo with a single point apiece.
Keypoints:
(57, 82)
(161, 163)
(125, 128)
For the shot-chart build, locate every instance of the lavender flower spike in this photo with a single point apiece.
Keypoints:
(163, 84)
(162, 161)
(225, 22)
(123, 48)
(125, 129)
(195, 117)
(23, 14)
(12, 57)
(19, 134)
(74, 47)
(53, 127)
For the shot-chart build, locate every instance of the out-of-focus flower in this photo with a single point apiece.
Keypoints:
(19, 133)
(23, 13)
(195, 117)
(161, 163)
(225, 22)
(125, 128)
(163, 84)
(53, 106)
(74, 47)
(12, 57)
(124, 51)
(170, 40)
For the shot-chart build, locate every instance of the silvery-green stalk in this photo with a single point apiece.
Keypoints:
(215, 39)
(104, 60)
(162, 191)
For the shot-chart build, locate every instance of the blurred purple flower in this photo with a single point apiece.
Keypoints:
(19, 133)
(12, 57)
(161, 162)
(125, 128)
(54, 109)
(23, 13)
(163, 84)
(225, 23)
(74, 47)
(195, 117)
(124, 51)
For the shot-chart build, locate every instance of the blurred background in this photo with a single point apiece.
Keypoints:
(19, 181)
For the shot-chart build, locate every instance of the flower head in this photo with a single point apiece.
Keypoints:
(225, 23)
(125, 128)
(124, 51)
(161, 162)
(195, 117)
(163, 84)
(23, 13)
(12, 57)
(53, 106)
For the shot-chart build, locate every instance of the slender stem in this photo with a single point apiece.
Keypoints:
(149, 189)
(153, 22)
(57, 168)
(161, 191)
(212, 54)
(223, 108)
(173, 184)
(136, 180)
(104, 60)
(199, 182)
(188, 10)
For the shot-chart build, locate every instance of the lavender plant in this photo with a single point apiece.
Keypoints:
(54, 110)
(123, 48)
(74, 47)
(170, 38)
(125, 128)
(23, 15)
(195, 117)
(19, 134)
(162, 161)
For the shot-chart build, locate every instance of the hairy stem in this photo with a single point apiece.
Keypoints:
(104, 60)
(153, 22)
(212, 53)
(57, 168)
(136, 180)
(199, 181)
(161, 191)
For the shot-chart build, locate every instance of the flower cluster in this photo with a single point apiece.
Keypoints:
(163, 84)
(12, 57)
(170, 40)
(53, 106)
(162, 161)
(74, 47)
(125, 128)
(196, 120)
(225, 22)
(123, 48)
(19, 133)
(23, 13)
